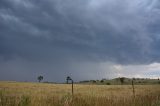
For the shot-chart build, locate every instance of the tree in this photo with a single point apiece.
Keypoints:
(102, 81)
(40, 78)
(121, 80)
(68, 78)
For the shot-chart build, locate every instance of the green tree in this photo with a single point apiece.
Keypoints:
(68, 78)
(102, 81)
(40, 78)
(122, 80)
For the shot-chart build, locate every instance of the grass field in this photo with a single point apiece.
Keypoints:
(42, 94)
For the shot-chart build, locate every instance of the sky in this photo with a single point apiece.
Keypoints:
(84, 39)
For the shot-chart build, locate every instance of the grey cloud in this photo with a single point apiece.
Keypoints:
(60, 32)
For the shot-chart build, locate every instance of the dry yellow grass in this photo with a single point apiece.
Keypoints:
(41, 94)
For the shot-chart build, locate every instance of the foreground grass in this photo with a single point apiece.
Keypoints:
(40, 94)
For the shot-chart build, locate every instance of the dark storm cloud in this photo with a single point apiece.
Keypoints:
(59, 32)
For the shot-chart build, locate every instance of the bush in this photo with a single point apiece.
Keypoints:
(108, 83)
(101, 81)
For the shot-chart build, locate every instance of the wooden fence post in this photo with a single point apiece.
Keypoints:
(133, 88)
(69, 78)
(72, 87)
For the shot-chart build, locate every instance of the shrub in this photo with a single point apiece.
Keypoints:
(101, 81)
(108, 83)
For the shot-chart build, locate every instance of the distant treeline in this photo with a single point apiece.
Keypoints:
(122, 80)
